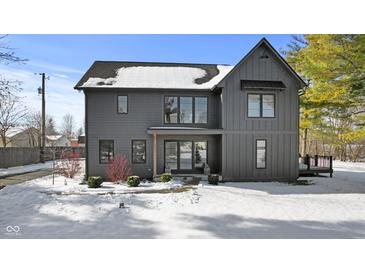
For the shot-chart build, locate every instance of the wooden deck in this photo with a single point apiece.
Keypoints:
(315, 165)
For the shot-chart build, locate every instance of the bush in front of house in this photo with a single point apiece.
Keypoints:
(69, 165)
(94, 181)
(133, 181)
(165, 177)
(118, 169)
(213, 179)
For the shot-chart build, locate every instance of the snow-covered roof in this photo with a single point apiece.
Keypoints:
(152, 75)
(14, 131)
(53, 137)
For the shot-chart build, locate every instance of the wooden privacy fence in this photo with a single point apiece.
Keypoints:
(20, 156)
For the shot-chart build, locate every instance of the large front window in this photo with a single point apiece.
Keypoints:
(185, 110)
(261, 105)
(185, 154)
(200, 153)
(106, 151)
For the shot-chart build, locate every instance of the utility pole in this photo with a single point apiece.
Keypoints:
(42, 91)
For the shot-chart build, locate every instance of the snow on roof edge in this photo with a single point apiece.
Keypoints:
(158, 78)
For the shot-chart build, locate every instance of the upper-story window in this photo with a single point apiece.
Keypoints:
(201, 110)
(171, 110)
(122, 104)
(261, 105)
(185, 110)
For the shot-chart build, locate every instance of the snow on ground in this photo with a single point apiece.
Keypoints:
(330, 208)
(24, 169)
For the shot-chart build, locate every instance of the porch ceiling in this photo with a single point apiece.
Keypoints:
(183, 131)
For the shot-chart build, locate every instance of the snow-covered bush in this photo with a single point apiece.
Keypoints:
(94, 181)
(213, 179)
(69, 165)
(133, 181)
(118, 169)
(166, 177)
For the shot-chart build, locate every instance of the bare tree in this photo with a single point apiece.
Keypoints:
(9, 87)
(7, 55)
(11, 114)
(33, 122)
(68, 126)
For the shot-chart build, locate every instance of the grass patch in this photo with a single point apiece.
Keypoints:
(145, 191)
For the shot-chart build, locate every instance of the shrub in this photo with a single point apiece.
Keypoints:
(133, 181)
(94, 181)
(166, 177)
(69, 165)
(118, 169)
(213, 179)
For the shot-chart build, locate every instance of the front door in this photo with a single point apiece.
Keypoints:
(186, 155)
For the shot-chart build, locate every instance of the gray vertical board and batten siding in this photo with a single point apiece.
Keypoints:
(145, 109)
(240, 132)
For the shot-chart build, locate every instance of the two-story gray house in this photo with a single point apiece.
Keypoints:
(242, 121)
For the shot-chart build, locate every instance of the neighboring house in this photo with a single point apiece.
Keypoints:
(81, 141)
(20, 137)
(57, 140)
(242, 121)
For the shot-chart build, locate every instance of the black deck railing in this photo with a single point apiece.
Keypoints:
(316, 164)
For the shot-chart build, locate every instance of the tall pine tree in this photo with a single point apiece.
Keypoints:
(333, 107)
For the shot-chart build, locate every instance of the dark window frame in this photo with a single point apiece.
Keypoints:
(102, 140)
(261, 106)
(120, 95)
(194, 157)
(194, 109)
(178, 110)
(145, 151)
(177, 141)
(261, 139)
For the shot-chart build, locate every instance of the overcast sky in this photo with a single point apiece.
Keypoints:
(66, 57)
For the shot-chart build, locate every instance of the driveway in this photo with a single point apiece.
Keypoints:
(21, 178)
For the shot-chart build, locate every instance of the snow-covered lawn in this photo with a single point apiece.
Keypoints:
(331, 208)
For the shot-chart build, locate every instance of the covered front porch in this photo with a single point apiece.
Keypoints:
(185, 151)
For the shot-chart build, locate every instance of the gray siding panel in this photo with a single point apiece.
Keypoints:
(145, 109)
(241, 132)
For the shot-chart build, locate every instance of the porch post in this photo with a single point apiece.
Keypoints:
(154, 152)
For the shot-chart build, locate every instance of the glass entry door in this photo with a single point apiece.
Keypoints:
(185, 155)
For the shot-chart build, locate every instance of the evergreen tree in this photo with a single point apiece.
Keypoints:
(333, 107)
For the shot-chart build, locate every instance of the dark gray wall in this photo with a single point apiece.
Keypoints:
(227, 109)
(240, 132)
(145, 109)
